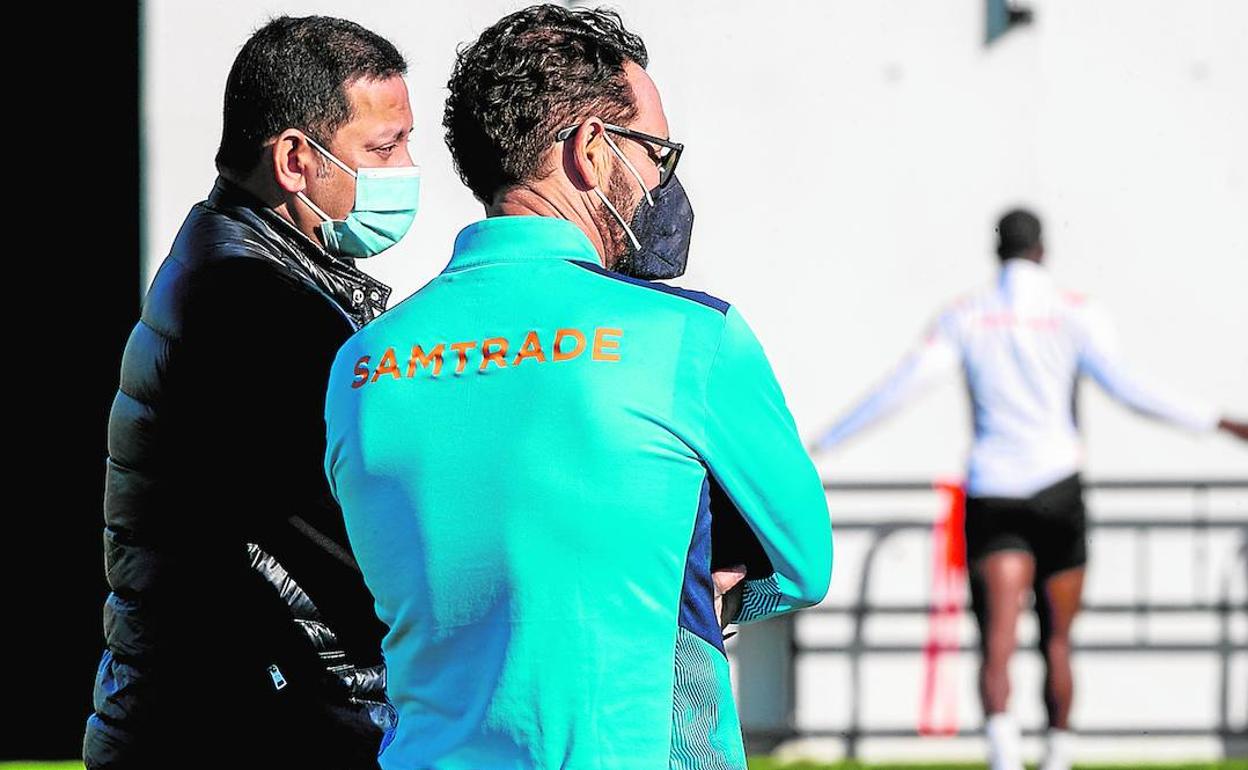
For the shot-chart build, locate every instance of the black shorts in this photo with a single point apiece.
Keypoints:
(1051, 525)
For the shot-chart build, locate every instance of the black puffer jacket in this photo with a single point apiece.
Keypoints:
(239, 630)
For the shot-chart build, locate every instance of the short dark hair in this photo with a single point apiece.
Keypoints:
(530, 74)
(1017, 233)
(294, 73)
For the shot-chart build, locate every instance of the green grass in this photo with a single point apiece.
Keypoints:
(764, 763)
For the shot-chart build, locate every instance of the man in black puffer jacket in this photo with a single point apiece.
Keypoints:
(239, 630)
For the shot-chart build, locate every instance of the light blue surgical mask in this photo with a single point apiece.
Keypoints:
(386, 199)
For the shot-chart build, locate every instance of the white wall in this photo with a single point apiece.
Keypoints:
(846, 161)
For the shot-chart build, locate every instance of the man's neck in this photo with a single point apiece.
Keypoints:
(263, 190)
(533, 201)
(268, 196)
(1035, 255)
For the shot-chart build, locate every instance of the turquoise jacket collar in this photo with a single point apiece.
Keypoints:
(520, 239)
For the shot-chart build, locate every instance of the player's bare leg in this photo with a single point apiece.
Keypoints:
(1057, 603)
(999, 585)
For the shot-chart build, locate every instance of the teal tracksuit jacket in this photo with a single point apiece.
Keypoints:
(524, 451)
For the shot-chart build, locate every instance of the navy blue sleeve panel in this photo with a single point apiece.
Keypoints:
(700, 297)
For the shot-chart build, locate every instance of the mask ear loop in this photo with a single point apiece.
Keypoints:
(610, 206)
(330, 155)
(618, 218)
(630, 167)
(315, 208)
(328, 236)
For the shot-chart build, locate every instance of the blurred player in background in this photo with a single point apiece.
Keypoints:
(528, 448)
(1023, 343)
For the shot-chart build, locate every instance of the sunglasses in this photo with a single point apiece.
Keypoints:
(666, 157)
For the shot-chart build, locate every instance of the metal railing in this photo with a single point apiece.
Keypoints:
(1140, 608)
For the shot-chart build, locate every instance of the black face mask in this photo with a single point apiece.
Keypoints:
(663, 231)
(660, 231)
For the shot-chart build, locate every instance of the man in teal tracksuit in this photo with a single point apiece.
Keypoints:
(525, 449)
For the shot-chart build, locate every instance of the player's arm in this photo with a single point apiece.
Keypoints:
(1237, 428)
(753, 450)
(935, 355)
(1100, 358)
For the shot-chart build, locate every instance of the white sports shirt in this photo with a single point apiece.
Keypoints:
(1023, 344)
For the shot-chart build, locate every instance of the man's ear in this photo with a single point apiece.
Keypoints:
(292, 159)
(586, 156)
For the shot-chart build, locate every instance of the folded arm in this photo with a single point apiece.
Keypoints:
(753, 450)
